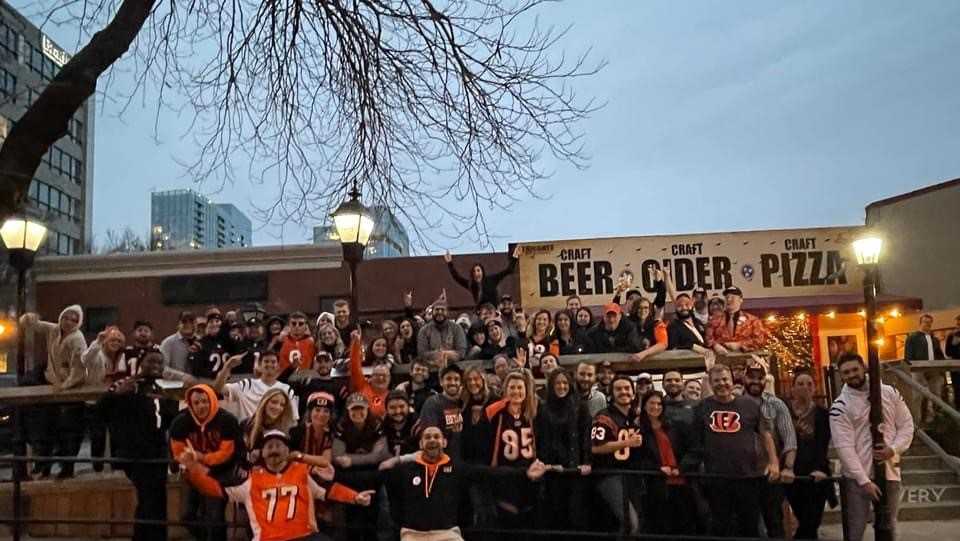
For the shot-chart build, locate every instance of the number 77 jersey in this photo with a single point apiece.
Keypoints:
(612, 425)
(280, 505)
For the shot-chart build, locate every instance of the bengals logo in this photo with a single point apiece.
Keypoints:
(725, 421)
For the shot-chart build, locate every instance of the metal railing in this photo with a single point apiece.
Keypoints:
(18, 521)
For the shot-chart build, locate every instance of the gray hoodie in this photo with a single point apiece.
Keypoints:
(64, 353)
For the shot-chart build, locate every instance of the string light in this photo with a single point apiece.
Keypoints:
(879, 342)
(801, 316)
(832, 314)
(862, 313)
(894, 313)
(881, 320)
(771, 318)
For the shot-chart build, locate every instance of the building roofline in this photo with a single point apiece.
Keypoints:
(186, 262)
(910, 195)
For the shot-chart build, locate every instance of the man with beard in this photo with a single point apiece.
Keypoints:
(418, 389)
(212, 355)
(399, 423)
(252, 346)
(215, 435)
(725, 441)
(446, 410)
(851, 437)
(297, 348)
(321, 379)
(735, 330)
(676, 408)
(441, 341)
(375, 390)
(341, 320)
(593, 399)
(427, 492)
(605, 375)
(507, 309)
(138, 416)
(784, 438)
(278, 495)
(700, 311)
(686, 331)
(615, 439)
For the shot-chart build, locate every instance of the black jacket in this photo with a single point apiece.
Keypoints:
(486, 290)
(679, 335)
(138, 421)
(952, 348)
(916, 348)
(623, 339)
(578, 344)
(563, 439)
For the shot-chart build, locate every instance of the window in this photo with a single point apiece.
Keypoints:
(75, 130)
(98, 318)
(8, 84)
(8, 39)
(53, 200)
(64, 163)
(40, 64)
(214, 288)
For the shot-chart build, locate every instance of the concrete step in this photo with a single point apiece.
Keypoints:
(911, 512)
(921, 462)
(929, 493)
(920, 477)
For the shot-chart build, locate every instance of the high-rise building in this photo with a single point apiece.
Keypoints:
(61, 194)
(185, 220)
(388, 239)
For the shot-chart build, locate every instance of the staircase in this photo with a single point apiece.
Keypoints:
(930, 490)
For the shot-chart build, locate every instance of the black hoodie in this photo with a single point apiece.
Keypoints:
(562, 427)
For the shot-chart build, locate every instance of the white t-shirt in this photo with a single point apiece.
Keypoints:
(242, 397)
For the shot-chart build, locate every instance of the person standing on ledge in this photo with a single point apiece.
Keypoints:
(482, 286)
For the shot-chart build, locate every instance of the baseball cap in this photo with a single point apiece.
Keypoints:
(505, 297)
(253, 322)
(213, 313)
(612, 307)
(320, 399)
(357, 400)
(646, 376)
(699, 290)
(605, 364)
(732, 290)
(274, 434)
(397, 394)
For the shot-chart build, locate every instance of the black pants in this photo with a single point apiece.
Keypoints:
(150, 482)
(669, 509)
(808, 500)
(97, 427)
(55, 430)
(735, 507)
(207, 510)
(771, 508)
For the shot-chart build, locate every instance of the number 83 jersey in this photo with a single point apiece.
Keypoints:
(612, 425)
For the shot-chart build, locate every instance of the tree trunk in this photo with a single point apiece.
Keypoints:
(46, 120)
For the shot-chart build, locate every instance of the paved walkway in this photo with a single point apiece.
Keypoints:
(906, 531)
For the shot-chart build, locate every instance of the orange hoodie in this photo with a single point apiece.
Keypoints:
(215, 437)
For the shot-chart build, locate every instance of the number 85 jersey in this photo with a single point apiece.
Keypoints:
(612, 425)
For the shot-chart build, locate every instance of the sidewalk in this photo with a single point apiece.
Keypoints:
(906, 531)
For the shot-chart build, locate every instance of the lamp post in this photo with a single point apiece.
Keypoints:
(23, 238)
(354, 224)
(867, 250)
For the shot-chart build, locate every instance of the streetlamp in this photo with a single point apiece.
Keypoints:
(867, 250)
(354, 224)
(23, 238)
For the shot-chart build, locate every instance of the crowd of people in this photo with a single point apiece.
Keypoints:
(444, 427)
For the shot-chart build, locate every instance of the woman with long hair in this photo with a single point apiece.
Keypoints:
(648, 317)
(331, 343)
(540, 332)
(408, 339)
(482, 286)
(513, 444)
(562, 427)
(313, 438)
(668, 501)
(567, 338)
(584, 319)
(378, 353)
(475, 437)
(812, 424)
(390, 330)
(105, 363)
(275, 412)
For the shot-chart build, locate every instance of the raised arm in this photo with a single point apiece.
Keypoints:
(498, 276)
(357, 381)
(453, 271)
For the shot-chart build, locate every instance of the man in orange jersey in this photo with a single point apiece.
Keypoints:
(278, 495)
